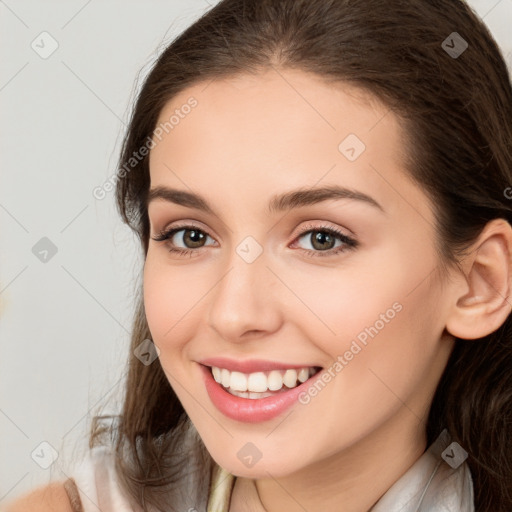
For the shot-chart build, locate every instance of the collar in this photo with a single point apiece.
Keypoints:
(431, 484)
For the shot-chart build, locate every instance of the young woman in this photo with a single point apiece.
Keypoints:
(322, 191)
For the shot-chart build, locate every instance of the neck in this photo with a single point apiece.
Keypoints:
(349, 481)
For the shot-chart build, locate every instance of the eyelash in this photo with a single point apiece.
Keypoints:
(349, 243)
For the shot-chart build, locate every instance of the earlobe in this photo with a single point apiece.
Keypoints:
(486, 300)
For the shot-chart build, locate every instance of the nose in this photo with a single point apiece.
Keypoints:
(244, 303)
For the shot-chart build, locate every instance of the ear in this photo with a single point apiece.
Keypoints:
(483, 302)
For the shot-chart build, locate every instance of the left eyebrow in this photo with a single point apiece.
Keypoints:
(305, 197)
(281, 202)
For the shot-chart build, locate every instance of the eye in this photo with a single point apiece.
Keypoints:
(192, 236)
(321, 239)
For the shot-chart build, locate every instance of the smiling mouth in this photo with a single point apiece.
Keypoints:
(261, 384)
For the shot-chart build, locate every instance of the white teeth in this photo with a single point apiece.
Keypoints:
(238, 381)
(290, 378)
(303, 375)
(225, 377)
(249, 394)
(258, 384)
(274, 380)
(217, 374)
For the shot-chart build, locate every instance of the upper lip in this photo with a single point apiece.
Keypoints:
(250, 365)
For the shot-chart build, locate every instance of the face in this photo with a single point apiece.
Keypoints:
(274, 281)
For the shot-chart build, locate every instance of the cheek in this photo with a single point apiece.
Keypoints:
(382, 314)
(170, 303)
(334, 305)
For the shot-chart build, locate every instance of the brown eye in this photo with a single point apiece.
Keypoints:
(323, 241)
(193, 238)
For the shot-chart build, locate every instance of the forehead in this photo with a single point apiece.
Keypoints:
(278, 130)
(278, 107)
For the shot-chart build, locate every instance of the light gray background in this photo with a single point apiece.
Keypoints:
(64, 323)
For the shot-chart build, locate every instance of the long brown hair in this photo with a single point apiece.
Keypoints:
(456, 111)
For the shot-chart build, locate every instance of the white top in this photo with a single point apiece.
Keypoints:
(97, 483)
(431, 484)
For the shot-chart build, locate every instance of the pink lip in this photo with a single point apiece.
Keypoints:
(247, 409)
(249, 366)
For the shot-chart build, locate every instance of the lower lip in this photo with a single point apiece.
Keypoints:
(247, 409)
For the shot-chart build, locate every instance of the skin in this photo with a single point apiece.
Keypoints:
(253, 136)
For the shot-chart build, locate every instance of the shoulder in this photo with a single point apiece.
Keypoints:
(49, 498)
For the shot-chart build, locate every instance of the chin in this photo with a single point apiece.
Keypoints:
(276, 467)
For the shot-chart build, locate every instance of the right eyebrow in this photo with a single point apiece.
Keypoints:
(180, 197)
